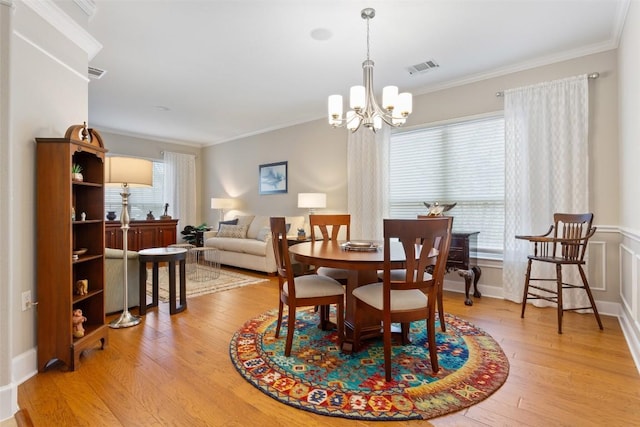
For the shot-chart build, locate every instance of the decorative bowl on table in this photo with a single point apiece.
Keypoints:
(360, 246)
(80, 251)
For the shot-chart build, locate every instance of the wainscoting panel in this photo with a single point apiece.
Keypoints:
(628, 278)
(597, 265)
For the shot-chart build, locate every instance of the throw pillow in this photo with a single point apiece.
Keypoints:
(228, 222)
(226, 230)
(263, 234)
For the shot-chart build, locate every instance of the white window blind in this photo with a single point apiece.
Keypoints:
(459, 162)
(141, 199)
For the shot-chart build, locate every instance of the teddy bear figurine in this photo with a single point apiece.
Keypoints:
(78, 319)
(82, 287)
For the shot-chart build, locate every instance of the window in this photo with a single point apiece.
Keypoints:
(460, 162)
(141, 199)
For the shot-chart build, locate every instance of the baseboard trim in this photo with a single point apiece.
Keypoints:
(23, 367)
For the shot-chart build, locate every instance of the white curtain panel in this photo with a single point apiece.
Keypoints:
(368, 182)
(546, 171)
(180, 187)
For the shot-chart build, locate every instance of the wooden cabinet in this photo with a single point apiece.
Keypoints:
(142, 234)
(462, 257)
(61, 231)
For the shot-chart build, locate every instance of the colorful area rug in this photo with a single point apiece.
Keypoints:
(320, 379)
(223, 282)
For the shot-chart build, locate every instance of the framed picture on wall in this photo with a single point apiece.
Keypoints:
(272, 178)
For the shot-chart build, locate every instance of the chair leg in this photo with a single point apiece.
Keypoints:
(441, 311)
(279, 319)
(591, 300)
(386, 332)
(433, 349)
(291, 325)
(356, 327)
(340, 320)
(526, 288)
(559, 299)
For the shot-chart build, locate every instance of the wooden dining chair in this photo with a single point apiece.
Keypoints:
(414, 297)
(567, 246)
(302, 291)
(440, 286)
(329, 226)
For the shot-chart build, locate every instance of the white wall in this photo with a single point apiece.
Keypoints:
(46, 92)
(629, 158)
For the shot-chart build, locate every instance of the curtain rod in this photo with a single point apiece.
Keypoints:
(591, 76)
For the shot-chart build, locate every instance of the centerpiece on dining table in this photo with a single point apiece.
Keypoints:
(360, 245)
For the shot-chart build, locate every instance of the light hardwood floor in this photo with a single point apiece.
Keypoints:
(175, 370)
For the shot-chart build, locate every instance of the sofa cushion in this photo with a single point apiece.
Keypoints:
(259, 222)
(235, 231)
(245, 220)
(228, 222)
(263, 234)
(230, 244)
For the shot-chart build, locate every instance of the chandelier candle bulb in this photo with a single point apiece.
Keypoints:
(357, 97)
(389, 97)
(335, 108)
(405, 104)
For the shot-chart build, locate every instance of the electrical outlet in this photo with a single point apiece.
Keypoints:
(26, 300)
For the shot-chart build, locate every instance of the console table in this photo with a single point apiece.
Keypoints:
(142, 234)
(462, 246)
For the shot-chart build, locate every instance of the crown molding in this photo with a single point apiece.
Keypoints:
(62, 22)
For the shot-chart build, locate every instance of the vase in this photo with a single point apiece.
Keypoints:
(111, 215)
(77, 176)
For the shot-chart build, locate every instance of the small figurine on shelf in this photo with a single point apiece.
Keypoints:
(165, 215)
(82, 287)
(83, 216)
(78, 319)
(150, 216)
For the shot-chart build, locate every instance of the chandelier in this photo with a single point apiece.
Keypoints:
(364, 109)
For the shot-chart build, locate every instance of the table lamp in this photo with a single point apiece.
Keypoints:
(312, 201)
(221, 204)
(126, 172)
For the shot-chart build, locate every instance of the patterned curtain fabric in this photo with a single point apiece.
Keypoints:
(368, 182)
(180, 187)
(546, 171)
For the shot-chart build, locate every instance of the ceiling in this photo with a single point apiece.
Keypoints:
(205, 72)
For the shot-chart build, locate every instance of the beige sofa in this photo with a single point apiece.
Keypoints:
(247, 244)
(113, 288)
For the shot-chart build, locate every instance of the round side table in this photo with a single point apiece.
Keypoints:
(155, 256)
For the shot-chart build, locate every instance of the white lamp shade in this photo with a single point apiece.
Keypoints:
(335, 107)
(128, 170)
(405, 104)
(357, 97)
(312, 200)
(389, 97)
(217, 203)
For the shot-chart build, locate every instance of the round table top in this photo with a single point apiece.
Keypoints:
(162, 252)
(331, 254)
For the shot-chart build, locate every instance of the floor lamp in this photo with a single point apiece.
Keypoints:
(126, 172)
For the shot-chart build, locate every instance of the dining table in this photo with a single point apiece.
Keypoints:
(363, 265)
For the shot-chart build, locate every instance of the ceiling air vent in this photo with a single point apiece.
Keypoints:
(96, 73)
(423, 67)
